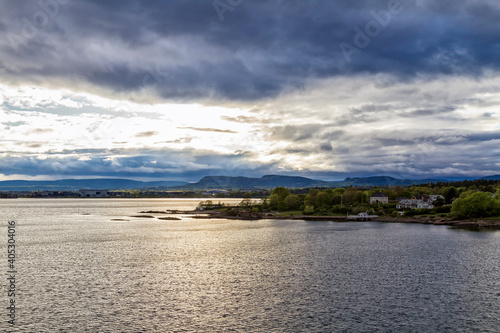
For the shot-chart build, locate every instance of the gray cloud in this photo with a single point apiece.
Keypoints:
(187, 165)
(398, 107)
(326, 146)
(431, 112)
(259, 50)
(403, 154)
(294, 132)
(399, 154)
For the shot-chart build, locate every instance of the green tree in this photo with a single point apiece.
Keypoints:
(274, 200)
(282, 206)
(338, 191)
(353, 196)
(336, 200)
(323, 200)
(439, 202)
(281, 192)
(406, 194)
(247, 202)
(293, 202)
(449, 194)
(488, 188)
(264, 203)
(206, 204)
(309, 210)
(473, 204)
(312, 198)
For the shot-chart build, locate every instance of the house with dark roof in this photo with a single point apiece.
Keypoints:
(379, 197)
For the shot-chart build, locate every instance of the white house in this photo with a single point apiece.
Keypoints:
(415, 203)
(94, 193)
(362, 217)
(406, 204)
(424, 204)
(379, 197)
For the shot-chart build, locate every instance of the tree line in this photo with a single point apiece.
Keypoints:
(474, 200)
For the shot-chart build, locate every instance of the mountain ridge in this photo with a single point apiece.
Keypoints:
(77, 184)
(272, 181)
(493, 177)
(213, 182)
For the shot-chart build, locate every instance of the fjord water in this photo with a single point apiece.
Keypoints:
(85, 265)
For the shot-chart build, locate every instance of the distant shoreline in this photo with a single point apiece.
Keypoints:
(245, 216)
(479, 224)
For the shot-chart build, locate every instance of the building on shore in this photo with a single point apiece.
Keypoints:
(94, 193)
(361, 217)
(419, 202)
(215, 192)
(380, 198)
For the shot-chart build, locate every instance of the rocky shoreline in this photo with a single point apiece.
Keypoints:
(249, 215)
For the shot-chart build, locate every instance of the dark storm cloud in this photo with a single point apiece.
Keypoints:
(326, 146)
(485, 136)
(431, 112)
(186, 165)
(183, 50)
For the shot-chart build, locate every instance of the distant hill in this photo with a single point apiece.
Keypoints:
(269, 181)
(77, 184)
(272, 181)
(495, 177)
(387, 181)
(212, 182)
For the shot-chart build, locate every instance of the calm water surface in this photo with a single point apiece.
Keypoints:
(81, 270)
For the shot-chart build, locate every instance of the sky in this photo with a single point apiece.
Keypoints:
(181, 89)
